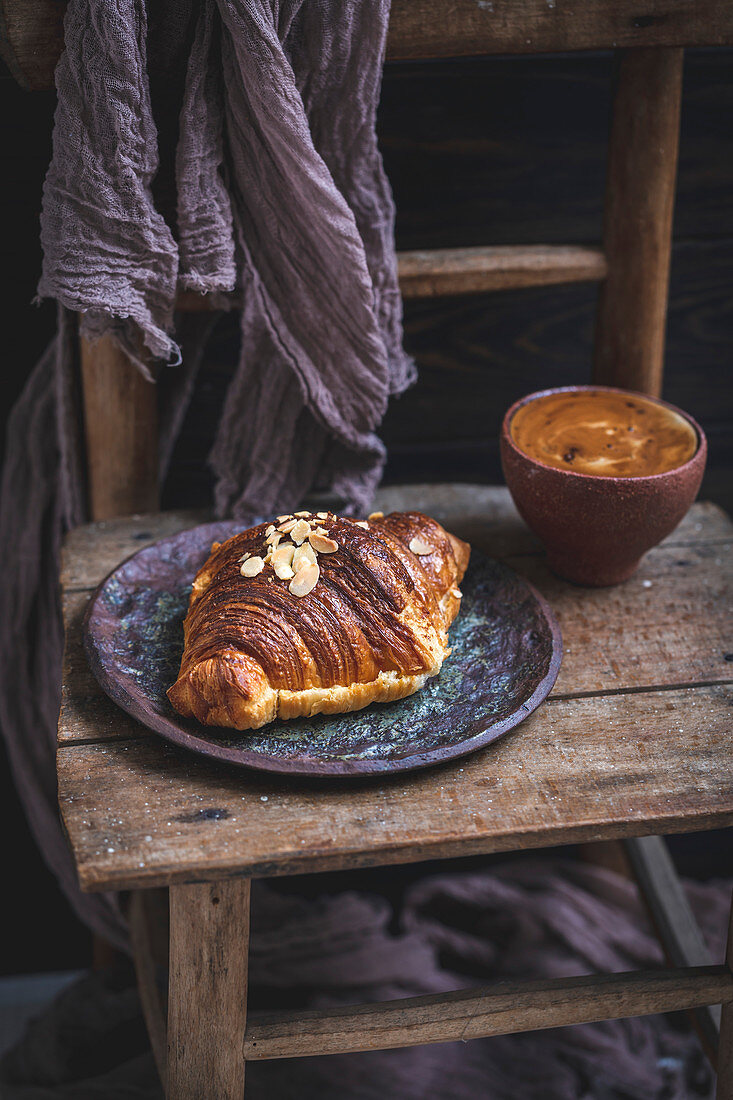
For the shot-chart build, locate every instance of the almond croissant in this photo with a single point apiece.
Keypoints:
(314, 614)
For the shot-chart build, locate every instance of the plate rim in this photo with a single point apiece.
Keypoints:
(299, 768)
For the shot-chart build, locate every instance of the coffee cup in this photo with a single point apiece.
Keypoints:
(601, 475)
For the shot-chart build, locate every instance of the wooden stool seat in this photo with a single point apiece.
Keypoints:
(634, 739)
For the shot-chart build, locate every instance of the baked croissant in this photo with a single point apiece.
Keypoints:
(318, 614)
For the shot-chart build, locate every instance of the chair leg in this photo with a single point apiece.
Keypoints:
(637, 235)
(207, 990)
(121, 429)
(674, 922)
(148, 917)
(725, 1048)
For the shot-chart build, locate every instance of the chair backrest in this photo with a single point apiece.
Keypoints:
(632, 264)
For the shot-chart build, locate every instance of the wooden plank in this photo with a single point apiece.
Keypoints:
(121, 429)
(92, 551)
(501, 1009)
(668, 624)
(207, 992)
(31, 32)
(430, 273)
(430, 28)
(637, 236)
(139, 813)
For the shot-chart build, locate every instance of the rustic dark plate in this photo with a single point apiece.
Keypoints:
(505, 657)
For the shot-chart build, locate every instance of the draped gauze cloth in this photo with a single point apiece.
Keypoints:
(209, 146)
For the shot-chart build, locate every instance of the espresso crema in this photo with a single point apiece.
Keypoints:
(603, 433)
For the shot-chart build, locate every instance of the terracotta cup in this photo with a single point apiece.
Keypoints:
(597, 529)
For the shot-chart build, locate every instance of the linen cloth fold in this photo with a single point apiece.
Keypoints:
(214, 146)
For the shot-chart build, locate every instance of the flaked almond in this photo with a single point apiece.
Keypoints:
(281, 519)
(457, 593)
(321, 515)
(270, 530)
(244, 557)
(323, 544)
(283, 572)
(420, 548)
(273, 538)
(287, 527)
(362, 523)
(284, 554)
(299, 533)
(305, 580)
(375, 515)
(300, 514)
(252, 566)
(302, 554)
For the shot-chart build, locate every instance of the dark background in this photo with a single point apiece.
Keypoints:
(488, 151)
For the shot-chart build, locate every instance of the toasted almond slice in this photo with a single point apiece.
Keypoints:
(244, 557)
(299, 533)
(362, 523)
(305, 580)
(304, 553)
(281, 519)
(287, 527)
(323, 544)
(283, 572)
(457, 593)
(284, 554)
(252, 566)
(375, 515)
(301, 514)
(417, 546)
(273, 536)
(321, 515)
(270, 529)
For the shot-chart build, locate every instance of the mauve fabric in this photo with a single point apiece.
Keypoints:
(528, 918)
(215, 146)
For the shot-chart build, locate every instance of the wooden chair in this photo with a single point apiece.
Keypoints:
(208, 873)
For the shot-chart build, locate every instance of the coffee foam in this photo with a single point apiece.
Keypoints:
(603, 433)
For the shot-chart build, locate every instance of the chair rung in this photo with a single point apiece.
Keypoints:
(499, 1009)
(429, 273)
(470, 270)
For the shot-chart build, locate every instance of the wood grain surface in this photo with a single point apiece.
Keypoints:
(426, 274)
(139, 813)
(636, 739)
(637, 234)
(507, 1007)
(31, 33)
(428, 28)
(207, 990)
(121, 430)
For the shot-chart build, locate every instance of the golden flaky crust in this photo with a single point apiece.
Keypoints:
(373, 629)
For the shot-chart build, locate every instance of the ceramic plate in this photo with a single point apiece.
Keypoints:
(505, 657)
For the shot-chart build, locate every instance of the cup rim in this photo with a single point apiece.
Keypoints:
(613, 478)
